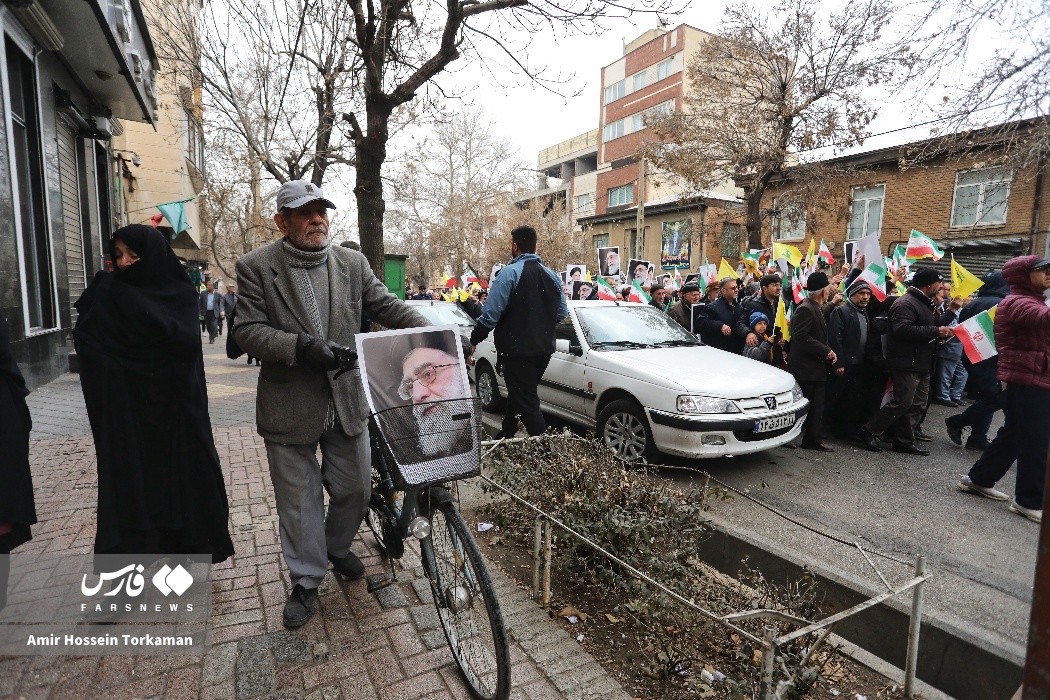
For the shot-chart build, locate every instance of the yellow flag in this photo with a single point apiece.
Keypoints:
(963, 282)
(588, 277)
(725, 270)
(446, 297)
(464, 295)
(475, 287)
(444, 280)
(812, 252)
(789, 252)
(782, 320)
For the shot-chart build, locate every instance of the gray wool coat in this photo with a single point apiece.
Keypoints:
(292, 401)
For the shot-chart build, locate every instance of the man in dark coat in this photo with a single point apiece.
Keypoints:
(810, 355)
(682, 311)
(984, 376)
(525, 303)
(852, 388)
(718, 317)
(211, 308)
(1022, 326)
(913, 335)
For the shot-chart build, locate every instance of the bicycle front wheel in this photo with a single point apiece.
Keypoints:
(467, 605)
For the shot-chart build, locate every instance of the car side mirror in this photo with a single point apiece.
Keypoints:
(576, 349)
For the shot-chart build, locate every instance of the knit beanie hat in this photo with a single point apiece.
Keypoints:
(757, 316)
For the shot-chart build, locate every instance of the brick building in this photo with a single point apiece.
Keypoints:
(980, 212)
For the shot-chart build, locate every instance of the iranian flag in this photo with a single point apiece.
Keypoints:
(798, 290)
(875, 275)
(920, 246)
(677, 281)
(638, 294)
(605, 291)
(825, 253)
(977, 336)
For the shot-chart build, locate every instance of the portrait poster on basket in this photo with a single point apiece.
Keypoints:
(675, 245)
(638, 270)
(609, 261)
(416, 385)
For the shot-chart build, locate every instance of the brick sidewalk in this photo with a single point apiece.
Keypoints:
(357, 645)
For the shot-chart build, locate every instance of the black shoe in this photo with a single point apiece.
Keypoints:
(869, 441)
(954, 431)
(921, 434)
(977, 445)
(910, 450)
(348, 567)
(299, 606)
(249, 360)
(819, 447)
(943, 402)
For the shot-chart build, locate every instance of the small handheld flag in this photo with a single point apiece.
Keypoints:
(875, 275)
(605, 291)
(977, 336)
(921, 246)
(964, 283)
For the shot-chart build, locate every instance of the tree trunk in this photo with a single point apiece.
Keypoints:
(753, 198)
(371, 154)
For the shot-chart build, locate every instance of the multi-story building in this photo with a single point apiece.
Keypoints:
(164, 162)
(69, 69)
(601, 177)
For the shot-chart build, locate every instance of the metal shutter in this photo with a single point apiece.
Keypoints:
(67, 171)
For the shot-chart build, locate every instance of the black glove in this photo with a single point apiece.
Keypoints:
(316, 354)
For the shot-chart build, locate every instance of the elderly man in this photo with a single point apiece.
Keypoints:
(612, 263)
(682, 311)
(810, 355)
(211, 309)
(658, 297)
(1022, 325)
(855, 379)
(301, 301)
(911, 345)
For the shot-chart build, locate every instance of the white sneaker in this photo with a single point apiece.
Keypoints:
(1036, 516)
(970, 487)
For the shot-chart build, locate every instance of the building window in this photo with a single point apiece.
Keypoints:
(865, 211)
(583, 201)
(601, 241)
(665, 68)
(981, 197)
(788, 223)
(613, 131)
(615, 91)
(621, 195)
(29, 183)
(194, 142)
(639, 80)
(730, 240)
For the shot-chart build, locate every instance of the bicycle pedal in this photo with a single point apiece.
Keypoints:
(374, 585)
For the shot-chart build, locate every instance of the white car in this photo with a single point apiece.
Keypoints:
(644, 384)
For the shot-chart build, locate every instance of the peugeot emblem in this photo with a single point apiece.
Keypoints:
(771, 401)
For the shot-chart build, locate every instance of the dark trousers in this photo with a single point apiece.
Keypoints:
(905, 410)
(1024, 438)
(522, 377)
(213, 325)
(853, 398)
(813, 430)
(985, 382)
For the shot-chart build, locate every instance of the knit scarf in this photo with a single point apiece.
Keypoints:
(299, 261)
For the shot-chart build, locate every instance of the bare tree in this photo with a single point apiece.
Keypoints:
(445, 191)
(776, 83)
(312, 84)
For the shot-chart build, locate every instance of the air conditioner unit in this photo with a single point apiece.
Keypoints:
(102, 127)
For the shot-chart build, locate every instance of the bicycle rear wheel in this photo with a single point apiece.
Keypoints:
(467, 604)
(374, 518)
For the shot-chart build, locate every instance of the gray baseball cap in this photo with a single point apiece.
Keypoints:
(295, 193)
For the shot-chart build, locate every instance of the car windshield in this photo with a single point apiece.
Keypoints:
(444, 314)
(631, 326)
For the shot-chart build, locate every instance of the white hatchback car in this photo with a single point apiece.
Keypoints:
(644, 384)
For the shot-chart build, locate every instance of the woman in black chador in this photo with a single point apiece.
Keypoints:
(17, 508)
(160, 486)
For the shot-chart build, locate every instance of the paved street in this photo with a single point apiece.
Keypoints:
(358, 645)
(981, 556)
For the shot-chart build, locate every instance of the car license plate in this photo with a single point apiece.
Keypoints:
(767, 424)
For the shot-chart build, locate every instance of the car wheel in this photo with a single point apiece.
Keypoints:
(624, 429)
(488, 389)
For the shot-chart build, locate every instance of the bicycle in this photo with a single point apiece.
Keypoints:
(412, 501)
